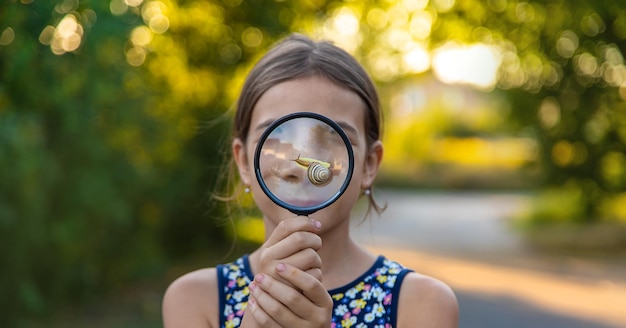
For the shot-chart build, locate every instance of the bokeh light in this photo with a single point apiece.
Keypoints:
(141, 36)
(133, 3)
(343, 27)
(153, 14)
(567, 44)
(66, 6)
(549, 112)
(476, 65)
(417, 59)
(136, 56)
(118, 7)
(7, 36)
(252, 37)
(67, 36)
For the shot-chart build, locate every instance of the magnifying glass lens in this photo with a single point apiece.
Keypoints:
(304, 162)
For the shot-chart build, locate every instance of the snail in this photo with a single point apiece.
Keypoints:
(318, 172)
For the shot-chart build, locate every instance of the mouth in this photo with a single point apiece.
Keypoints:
(302, 195)
(302, 202)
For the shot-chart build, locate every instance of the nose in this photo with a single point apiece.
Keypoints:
(290, 172)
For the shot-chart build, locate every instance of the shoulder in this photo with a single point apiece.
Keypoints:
(426, 302)
(192, 300)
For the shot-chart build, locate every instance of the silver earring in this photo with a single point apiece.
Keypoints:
(247, 190)
(367, 192)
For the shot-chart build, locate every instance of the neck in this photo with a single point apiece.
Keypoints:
(343, 260)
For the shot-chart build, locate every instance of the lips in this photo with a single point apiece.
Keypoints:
(302, 194)
(303, 202)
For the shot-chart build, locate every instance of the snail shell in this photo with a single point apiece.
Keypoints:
(318, 174)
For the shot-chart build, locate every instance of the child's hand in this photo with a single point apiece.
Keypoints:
(289, 272)
(294, 242)
(302, 302)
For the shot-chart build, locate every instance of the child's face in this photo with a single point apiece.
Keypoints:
(318, 95)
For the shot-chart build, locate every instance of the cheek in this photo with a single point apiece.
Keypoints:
(353, 191)
(250, 150)
(359, 164)
(267, 207)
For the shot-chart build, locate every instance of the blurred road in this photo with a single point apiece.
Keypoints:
(466, 240)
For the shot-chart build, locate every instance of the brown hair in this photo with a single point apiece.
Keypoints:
(298, 56)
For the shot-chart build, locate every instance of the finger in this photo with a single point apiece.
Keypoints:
(288, 226)
(293, 243)
(290, 297)
(310, 287)
(265, 290)
(315, 273)
(258, 314)
(304, 259)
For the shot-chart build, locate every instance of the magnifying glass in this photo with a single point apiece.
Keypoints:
(304, 162)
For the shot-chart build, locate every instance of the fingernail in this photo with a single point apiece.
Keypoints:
(280, 267)
(252, 286)
(251, 302)
(259, 278)
(317, 224)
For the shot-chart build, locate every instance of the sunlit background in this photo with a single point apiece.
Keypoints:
(114, 121)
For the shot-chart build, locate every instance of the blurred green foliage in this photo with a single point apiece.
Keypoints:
(109, 144)
(113, 118)
(563, 70)
(70, 221)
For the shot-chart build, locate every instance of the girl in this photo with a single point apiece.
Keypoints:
(309, 272)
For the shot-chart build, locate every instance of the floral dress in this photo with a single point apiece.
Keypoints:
(368, 301)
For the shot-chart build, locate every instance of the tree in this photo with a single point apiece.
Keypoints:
(561, 67)
(113, 125)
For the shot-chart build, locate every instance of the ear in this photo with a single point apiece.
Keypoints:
(241, 159)
(372, 163)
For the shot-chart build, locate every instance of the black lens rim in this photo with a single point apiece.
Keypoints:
(298, 210)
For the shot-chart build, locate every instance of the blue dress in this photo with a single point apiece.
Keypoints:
(368, 301)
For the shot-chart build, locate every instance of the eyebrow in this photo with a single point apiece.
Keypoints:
(263, 125)
(348, 128)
